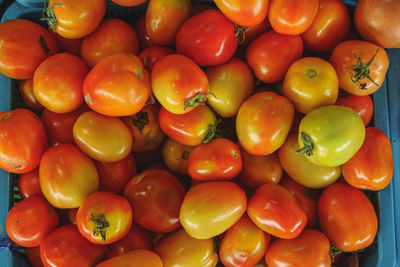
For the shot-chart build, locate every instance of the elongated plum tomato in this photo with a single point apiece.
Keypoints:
(24, 45)
(276, 211)
(23, 140)
(342, 209)
(138, 257)
(371, 167)
(176, 156)
(27, 95)
(179, 84)
(152, 54)
(29, 184)
(117, 86)
(361, 104)
(331, 135)
(129, 2)
(263, 122)
(211, 208)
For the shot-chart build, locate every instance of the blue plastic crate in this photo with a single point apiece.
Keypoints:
(386, 117)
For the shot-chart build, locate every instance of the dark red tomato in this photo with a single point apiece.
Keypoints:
(23, 140)
(144, 39)
(29, 184)
(341, 210)
(66, 247)
(219, 159)
(156, 197)
(361, 104)
(152, 54)
(276, 211)
(72, 215)
(252, 32)
(208, 38)
(27, 95)
(33, 256)
(271, 55)
(30, 221)
(72, 46)
(143, 158)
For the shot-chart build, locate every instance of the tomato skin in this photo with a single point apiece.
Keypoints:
(138, 257)
(29, 184)
(152, 54)
(30, 221)
(72, 215)
(361, 104)
(343, 58)
(208, 38)
(276, 211)
(271, 54)
(117, 86)
(252, 32)
(23, 140)
(129, 2)
(371, 167)
(211, 208)
(24, 45)
(244, 244)
(27, 95)
(144, 39)
(249, 13)
(67, 176)
(176, 156)
(33, 256)
(329, 27)
(263, 122)
(311, 248)
(342, 209)
(72, 46)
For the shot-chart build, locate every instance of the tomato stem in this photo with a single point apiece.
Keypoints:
(334, 251)
(239, 33)
(308, 145)
(48, 16)
(362, 70)
(100, 225)
(211, 132)
(140, 120)
(199, 99)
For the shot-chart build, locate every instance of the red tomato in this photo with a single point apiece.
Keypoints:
(252, 32)
(29, 184)
(27, 95)
(271, 55)
(276, 211)
(72, 215)
(24, 45)
(66, 247)
(342, 209)
(23, 140)
(129, 2)
(208, 38)
(72, 46)
(146, 157)
(176, 156)
(113, 36)
(144, 39)
(33, 256)
(152, 54)
(361, 104)
(139, 257)
(30, 221)
(156, 197)
(329, 27)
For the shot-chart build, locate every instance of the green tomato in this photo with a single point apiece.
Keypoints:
(331, 135)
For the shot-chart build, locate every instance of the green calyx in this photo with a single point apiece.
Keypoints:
(48, 16)
(211, 132)
(100, 225)
(239, 33)
(199, 99)
(334, 251)
(308, 145)
(362, 71)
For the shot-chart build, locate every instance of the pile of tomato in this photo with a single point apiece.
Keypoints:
(203, 135)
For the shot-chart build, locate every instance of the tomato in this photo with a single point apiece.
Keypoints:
(208, 38)
(311, 248)
(244, 244)
(30, 221)
(72, 46)
(72, 215)
(311, 82)
(74, 19)
(361, 66)
(66, 247)
(176, 156)
(102, 137)
(271, 54)
(342, 209)
(190, 129)
(292, 16)
(156, 197)
(67, 176)
(361, 104)
(29, 184)
(145, 129)
(230, 84)
(152, 54)
(276, 211)
(33, 256)
(371, 167)
(57, 83)
(263, 122)
(331, 135)
(129, 2)
(136, 258)
(180, 250)
(329, 27)
(27, 95)
(303, 171)
(112, 36)
(23, 140)
(117, 86)
(252, 32)
(24, 45)
(146, 157)
(179, 84)
(144, 39)
(211, 208)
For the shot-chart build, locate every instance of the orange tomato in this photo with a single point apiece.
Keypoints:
(244, 13)
(129, 2)
(27, 95)
(136, 258)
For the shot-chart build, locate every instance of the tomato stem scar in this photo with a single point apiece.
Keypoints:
(199, 99)
(100, 225)
(308, 145)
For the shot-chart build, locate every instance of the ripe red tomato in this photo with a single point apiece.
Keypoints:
(23, 140)
(29, 184)
(271, 54)
(208, 38)
(30, 221)
(33, 256)
(176, 156)
(27, 95)
(244, 13)
(138, 257)
(140, 27)
(152, 54)
(361, 104)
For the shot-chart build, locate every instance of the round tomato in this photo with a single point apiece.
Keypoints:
(129, 2)
(361, 104)
(329, 27)
(29, 184)
(311, 82)
(138, 257)
(67, 176)
(176, 156)
(117, 86)
(342, 209)
(271, 54)
(252, 32)
(144, 39)
(33, 256)
(24, 45)
(208, 38)
(361, 66)
(23, 140)
(248, 13)
(30, 221)
(27, 95)
(57, 83)
(152, 54)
